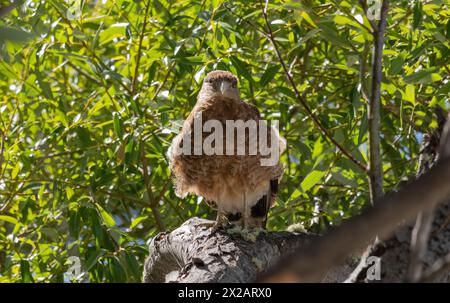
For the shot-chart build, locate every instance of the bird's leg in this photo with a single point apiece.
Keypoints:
(220, 222)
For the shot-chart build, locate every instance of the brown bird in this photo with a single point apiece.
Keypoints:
(236, 184)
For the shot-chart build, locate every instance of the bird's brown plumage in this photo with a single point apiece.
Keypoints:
(233, 184)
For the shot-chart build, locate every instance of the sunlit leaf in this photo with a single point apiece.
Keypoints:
(312, 179)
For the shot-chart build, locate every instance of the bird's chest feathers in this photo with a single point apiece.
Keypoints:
(223, 173)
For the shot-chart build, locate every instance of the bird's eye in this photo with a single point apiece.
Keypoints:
(233, 85)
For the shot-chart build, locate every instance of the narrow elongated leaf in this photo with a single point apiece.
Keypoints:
(312, 179)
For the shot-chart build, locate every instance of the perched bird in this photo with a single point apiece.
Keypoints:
(237, 184)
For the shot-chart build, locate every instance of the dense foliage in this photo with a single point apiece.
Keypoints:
(92, 90)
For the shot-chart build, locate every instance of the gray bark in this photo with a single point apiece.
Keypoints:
(394, 253)
(191, 253)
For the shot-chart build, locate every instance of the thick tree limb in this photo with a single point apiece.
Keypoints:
(394, 253)
(311, 263)
(192, 254)
(440, 268)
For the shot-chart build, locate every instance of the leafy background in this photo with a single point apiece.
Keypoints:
(90, 90)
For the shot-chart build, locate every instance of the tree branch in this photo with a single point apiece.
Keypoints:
(375, 161)
(419, 241)
(312, 262)
(300, 98)
(139, 53)
(153, 203)
(374, 105)
(421, 232)
(438, 269)
(363, 4)
(191, 253)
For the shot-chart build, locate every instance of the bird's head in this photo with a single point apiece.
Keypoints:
(220, 84)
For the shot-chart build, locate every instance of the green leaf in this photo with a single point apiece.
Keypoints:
(308, 19)
(196, 60)
(297, 193)
(43, 84)
(152, 72)
(25, 272)
(93, 259)
(343, 20)
(84, 136)
(74, 224)
(339, 177)
(51, 233)
(312, 179)
(331, 34)
(15, 171)
(114, 31)
(448, 29)
(9, 219)
(268, 75)
(132, 266)
(445, 89)
(61, 116)
(118, 126)
(410, 94)
(422, 77)
(417, 14)
(14, 35)
(241, 68)
(137, 220)
(397, 65)
(287, 92)
(69, 192)
(107, 218)
(117, 270)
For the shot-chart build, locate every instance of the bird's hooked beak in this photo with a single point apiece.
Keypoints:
(224, 86)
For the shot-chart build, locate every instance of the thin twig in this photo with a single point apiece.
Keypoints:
(139, 53)
(153, 203)
(363, 4)
(245, 20)
(85, 74)
(2, 150)
(363, 71)
(408, 13)
(91, 51)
